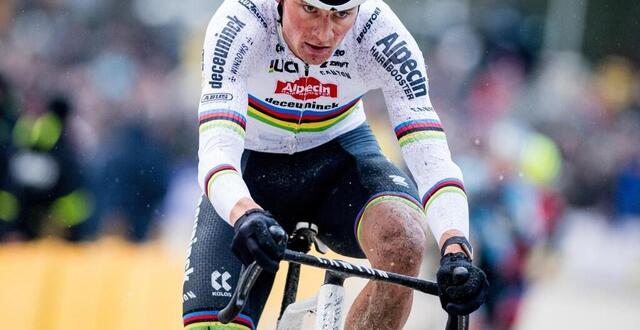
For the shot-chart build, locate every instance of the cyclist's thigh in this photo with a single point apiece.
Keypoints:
(369, 178)
(211, 274)
(289, 186)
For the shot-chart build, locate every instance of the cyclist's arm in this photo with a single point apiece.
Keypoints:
(230, 45)
(396, 63)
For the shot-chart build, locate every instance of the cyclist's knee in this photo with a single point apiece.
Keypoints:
(392, 236)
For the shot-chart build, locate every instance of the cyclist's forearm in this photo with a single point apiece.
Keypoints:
(453, 248)
(242, 206)
(218, 172)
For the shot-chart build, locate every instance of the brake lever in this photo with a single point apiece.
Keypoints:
(320, 246)
(248, 277)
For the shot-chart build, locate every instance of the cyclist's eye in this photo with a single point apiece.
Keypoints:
(342, 14)
(309, 8)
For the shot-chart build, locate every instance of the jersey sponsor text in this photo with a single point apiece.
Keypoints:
(335, 73)
(188, 269)
(255, 11)
(239, 58)
(188, 295)
(306, 88)
(335, 63)
(421, 109)
(301, 105)
(368, 25)
(396, 59)
(216, 97)
(226, 38)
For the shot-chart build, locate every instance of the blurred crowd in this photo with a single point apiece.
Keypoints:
(93, 125)
(98, 134)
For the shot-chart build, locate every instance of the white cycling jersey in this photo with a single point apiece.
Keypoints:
(256, 94)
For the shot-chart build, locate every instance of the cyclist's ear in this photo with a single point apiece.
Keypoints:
(280, 10)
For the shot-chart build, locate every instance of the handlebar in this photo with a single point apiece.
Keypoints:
(250, 274)
(362, 271)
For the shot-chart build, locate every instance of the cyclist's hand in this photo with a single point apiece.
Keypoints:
(461, 295)
(259, 237)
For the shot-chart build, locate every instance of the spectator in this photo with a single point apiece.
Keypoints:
(45, 174)
(8, 204)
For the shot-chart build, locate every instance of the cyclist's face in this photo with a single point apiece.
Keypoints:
(312, 33)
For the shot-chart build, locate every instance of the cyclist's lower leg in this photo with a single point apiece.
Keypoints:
(393, 240)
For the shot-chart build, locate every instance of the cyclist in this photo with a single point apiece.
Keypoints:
(283, 138)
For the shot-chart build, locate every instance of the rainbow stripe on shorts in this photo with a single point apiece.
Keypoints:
(208, 320)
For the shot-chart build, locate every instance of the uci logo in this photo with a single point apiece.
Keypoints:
(281, 66)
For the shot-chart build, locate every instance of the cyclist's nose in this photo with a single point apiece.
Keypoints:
(323, 29)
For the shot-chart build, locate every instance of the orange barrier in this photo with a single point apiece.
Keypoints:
(106, 285)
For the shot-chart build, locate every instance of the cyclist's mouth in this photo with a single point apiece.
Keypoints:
(317, 49)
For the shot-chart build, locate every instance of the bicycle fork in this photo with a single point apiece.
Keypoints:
(328, 305)
(330, 302)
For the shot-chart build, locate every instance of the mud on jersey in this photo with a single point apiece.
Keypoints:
(256, 94)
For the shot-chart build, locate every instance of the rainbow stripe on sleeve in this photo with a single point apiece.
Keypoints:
(205, 320)
(224, 118)
(417, 130)
(217, 172)
(289, 119)
(447, 185)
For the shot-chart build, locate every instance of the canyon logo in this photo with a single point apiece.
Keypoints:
(306, 88)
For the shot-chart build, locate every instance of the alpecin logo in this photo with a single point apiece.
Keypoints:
(307, 88)
(396, 57)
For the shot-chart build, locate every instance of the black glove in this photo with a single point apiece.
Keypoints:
(259, 237)
(466, 291)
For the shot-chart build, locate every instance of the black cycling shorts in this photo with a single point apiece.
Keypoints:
(330, 186)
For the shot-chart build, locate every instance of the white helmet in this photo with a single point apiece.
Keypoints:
(337, 5)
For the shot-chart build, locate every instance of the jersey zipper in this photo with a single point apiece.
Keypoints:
(304, 99)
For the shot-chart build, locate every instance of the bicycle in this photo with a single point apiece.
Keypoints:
(329, 302)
